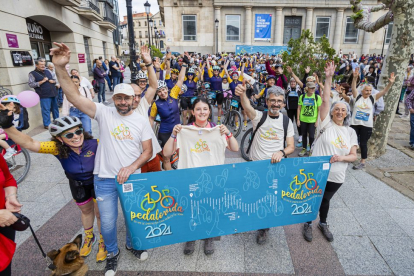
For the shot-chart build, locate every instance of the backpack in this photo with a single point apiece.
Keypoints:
(262, 120)
(25, 119)
(95, 85)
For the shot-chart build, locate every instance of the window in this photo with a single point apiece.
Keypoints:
(104, 49)
(351, 33)
(322, 27)
(88, 55)
(233, 27)
(140, 34)
(145, 23)
(139, 23)
(160, 22)
(146, 34)
(189, 28)
(389, 33)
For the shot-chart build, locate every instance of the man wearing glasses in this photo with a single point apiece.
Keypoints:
(125, 146)
(271, 130)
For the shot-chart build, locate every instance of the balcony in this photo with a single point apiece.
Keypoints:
(109, 2)
(75, 3)
(90, 10)
(108, 21)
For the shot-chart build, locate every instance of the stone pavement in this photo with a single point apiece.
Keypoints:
(373, 226)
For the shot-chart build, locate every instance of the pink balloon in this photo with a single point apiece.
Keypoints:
(28, 98)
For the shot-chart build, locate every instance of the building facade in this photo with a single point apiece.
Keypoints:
(190, 24)
(29, 27)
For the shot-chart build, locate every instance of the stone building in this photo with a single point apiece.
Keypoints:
(28, 28)
(190, 24)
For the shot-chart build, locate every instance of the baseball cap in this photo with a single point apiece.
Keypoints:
(125, 89)
(310, 84)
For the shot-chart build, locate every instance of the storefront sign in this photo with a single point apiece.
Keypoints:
(21, 58)
(12, 41)
(263, 27)
(81, 58)
(168, 207)
(36, 31)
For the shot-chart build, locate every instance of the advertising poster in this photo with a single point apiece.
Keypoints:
(263, 27)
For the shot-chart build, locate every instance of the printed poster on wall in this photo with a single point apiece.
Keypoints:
(168, 207)
(263, 27)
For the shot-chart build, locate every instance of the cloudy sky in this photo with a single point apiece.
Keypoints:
(137, 6)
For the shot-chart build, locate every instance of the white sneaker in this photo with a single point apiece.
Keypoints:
(9, 154)
(106, 102)
(244, 128)
(300, 139)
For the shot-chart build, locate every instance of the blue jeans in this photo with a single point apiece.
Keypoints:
(86, 121)
(60, 96)
(101, 92)
(115, 81)
(412, 129)
(107, 198)
(48, 105)
(108, 79)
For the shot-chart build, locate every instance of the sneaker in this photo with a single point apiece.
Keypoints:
(299, 145)
(236, 129)
(325, 231)
(112, 263)
(141, 255)
(261, 236)
(87, 246)
(404, 117)
(244, 128)
(189, 247)
(360, 166)
(303, 152)
(9, 153)
(208, 246)
(307, 232)
(412, 146)
(102, 253)
(398, 113)
(300, 139)
(218, 122)
(106, 102)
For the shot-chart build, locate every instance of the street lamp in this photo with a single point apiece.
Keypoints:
(155, 35)
(217, 23)
(132, 54)
(151, 36)
(147, 11)
(385, 37)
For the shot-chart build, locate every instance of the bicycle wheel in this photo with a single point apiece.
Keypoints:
(230, 122)
(226, 106)
(19, 165)
(245, 142)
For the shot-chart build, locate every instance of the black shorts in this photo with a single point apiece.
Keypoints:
(186, 103)
(163, 138)
(82, 192)
(219, 98)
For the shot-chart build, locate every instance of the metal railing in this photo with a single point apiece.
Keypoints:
(110, 17)
(93, 6)
(110, 2)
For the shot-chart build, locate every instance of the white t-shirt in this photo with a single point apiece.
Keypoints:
(120, 140)
(334, 140)
(142, 109)
(200, 147)
(86, 83)
(363, 112)
(269, 137)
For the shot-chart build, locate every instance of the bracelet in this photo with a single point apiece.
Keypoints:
(173, 136)
(229, 135)
(184, 65)
(149, 64)
(11, 195)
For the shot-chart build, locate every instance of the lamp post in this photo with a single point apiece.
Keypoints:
(151, 36)
(217, 22)
(131, 36)
(385, 37)
(155, 36)
(147, 11)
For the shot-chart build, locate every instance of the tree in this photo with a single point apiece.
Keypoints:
(305, 51)
(401, 12)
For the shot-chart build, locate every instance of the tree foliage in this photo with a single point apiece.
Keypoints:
(305, 51)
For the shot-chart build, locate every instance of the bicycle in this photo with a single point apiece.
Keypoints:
(232, 116)
(19, 163)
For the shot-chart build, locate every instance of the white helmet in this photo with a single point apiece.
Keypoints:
(142, 75)
(62, 124)
(184, 88)
(161, 84)
(190, 71)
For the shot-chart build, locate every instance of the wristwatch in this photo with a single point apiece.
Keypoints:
(284, 154)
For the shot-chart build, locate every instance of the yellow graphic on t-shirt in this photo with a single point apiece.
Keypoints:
(363, 105)
(270, 135)
(200, 146)
(339, 143)
(89, 154)
(122, 132)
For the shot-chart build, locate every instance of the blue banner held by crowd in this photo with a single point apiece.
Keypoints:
(263, 27)
(168, 207)
(250, 49)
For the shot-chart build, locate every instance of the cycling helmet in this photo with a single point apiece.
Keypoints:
(271, 77)
(161, 84)
(194, 67)
(215, 67)
(184, 88)
(234, 73)
(62, 124)
(264, 72)
(175, 71)
(191, 71)
(142, 75)
(10, 99)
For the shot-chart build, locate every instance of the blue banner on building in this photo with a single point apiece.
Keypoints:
(263, 27)
(250, 49)
(168, 207)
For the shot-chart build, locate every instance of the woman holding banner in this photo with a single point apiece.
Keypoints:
(201, 144)
(337, 139)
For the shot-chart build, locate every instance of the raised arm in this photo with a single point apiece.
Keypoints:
(325, 107)
(354, 82)
(241, 92)
(61, 57)
(290, 71)
(152, 88)
(391, 81)
(181, 76)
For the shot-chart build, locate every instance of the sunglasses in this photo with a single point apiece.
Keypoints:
(70, 135)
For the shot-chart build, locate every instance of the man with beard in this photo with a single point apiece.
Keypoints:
(124, 147)
(271, 130)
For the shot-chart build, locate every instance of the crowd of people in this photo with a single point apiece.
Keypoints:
(184, 96)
